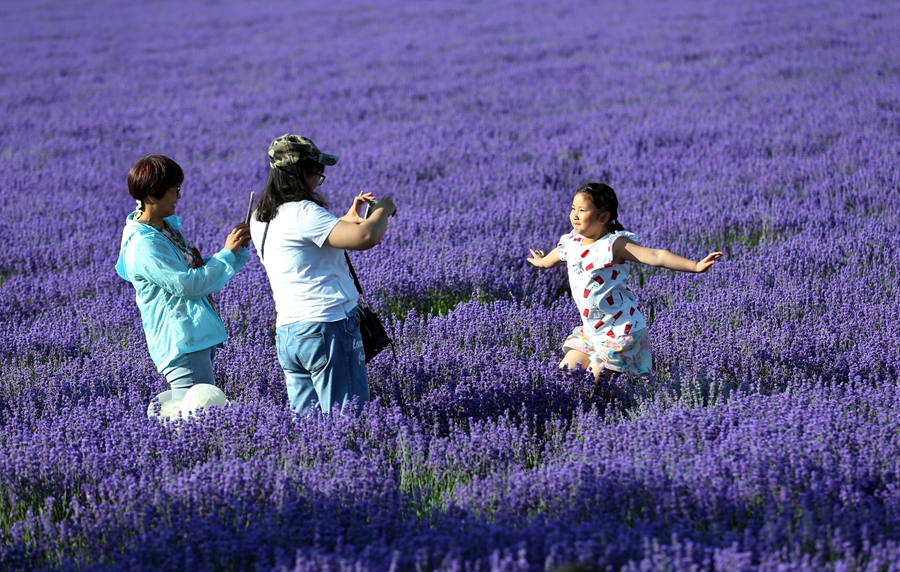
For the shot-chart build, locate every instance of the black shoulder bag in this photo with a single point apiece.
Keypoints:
(374, 336)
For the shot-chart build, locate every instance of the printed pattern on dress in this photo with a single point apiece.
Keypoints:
(599, 286)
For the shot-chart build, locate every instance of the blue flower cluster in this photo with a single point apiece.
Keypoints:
(767, 437)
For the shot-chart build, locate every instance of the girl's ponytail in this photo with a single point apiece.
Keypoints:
(604, 198)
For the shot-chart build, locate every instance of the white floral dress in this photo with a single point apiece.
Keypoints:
(613, 331)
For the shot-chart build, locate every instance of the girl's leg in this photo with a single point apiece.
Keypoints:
(575, 359)
(615, 360)
(605, 388)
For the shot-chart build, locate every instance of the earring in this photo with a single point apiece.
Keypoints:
(139, 208)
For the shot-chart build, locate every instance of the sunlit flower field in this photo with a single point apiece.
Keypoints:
(768, 437)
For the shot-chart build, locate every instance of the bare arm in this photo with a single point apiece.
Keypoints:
(365, 234)
(544, 261)
(626, 249)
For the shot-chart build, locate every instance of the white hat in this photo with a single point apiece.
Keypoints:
(203, 395)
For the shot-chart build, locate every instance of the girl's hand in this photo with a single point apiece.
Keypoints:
(541, 260)
(536, 256)
(709, 260)
(353, 215)
(238, 237)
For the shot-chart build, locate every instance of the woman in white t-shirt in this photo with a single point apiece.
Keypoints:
(302, 248)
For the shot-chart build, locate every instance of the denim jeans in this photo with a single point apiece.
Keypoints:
(324, 363)
(188, 370)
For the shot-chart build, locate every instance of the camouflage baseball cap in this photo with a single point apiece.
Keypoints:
(290, 149)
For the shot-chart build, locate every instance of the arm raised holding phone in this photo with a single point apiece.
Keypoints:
(238, 238)
(355, 232)
(240, 235)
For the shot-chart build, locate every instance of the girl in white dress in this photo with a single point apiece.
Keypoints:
(598, 253)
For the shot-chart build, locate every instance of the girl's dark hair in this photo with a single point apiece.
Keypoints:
(604, 198)
(286, 185)
(153, 176)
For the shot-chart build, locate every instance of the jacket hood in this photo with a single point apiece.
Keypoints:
(134, 229)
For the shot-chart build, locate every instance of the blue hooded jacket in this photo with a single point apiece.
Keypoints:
(172, 297)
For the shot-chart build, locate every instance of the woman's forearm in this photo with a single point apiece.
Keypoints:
(375, 227)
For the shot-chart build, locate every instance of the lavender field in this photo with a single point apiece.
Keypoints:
(768, 437)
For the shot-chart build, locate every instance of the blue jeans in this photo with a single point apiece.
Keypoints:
(323, 363)
(188, 370)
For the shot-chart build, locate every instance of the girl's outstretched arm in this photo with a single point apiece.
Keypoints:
(541, 261)
(626, 249)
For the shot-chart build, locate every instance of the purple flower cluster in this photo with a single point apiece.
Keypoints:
(767, 436)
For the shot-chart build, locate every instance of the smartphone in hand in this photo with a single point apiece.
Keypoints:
(366, 210)
(249, 208)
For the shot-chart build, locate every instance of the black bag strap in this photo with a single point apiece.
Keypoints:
(353, 273)
(262, 246)
(360, 290)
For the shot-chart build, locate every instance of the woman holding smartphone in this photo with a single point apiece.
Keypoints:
(301, 246)
(174, 283)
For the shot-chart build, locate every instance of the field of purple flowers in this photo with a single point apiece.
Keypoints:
(768, 438)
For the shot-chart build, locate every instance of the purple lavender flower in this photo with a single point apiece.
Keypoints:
(766, 437)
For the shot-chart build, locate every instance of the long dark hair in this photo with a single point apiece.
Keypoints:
(286, 185)
(605, 201)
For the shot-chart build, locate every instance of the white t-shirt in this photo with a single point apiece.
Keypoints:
(310, 281)
(599, 287)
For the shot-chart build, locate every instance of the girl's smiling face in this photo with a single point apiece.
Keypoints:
(586, 219)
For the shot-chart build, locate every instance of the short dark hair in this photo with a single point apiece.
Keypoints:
(153, 176)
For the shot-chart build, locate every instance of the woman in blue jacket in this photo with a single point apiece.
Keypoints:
(173, 282)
